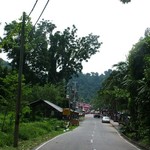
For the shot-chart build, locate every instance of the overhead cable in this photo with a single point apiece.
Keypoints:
(38, 18)
(12, 32)
(33, 8)
(41, 13)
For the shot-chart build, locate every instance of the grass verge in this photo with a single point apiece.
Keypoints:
(34, 142)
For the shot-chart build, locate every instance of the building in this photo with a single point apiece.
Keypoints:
(45, 109)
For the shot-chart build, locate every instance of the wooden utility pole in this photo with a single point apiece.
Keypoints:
(18, 102)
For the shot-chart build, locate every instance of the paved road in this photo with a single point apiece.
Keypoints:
(90, 135)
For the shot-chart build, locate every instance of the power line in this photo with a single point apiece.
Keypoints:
(38, 18)
(13, 31)
(41, 13)
(33, 8)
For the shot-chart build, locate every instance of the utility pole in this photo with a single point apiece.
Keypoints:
(19, 96)
(75, 95)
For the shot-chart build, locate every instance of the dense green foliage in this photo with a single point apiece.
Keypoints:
(88, 84)
(8, 88)
(50, 56)
(50, 60)
(127, 90)
(29, 131)
(4, 64)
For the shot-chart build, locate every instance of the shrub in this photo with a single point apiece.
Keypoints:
(45, 125)
(6, 139)
(30, 130)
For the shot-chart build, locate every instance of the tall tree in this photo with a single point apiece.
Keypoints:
(139, 87)
(50, 56)
(113, 94)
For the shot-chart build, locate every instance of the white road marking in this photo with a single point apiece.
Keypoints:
(91, 140)
(50, 140)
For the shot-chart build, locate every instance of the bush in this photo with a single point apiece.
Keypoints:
(35, 129)
(6, 139)
(45, 125)
(30, 130)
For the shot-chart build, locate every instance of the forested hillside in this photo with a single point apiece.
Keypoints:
(88, 84)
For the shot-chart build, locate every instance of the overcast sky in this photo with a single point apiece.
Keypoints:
(119, 25)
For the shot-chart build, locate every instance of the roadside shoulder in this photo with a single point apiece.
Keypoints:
(117, 126)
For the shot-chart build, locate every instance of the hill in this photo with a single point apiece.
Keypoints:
(88, 84)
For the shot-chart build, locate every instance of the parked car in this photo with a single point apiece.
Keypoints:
(105, 119)
(96, 115)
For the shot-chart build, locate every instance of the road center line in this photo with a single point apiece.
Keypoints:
(91, 140)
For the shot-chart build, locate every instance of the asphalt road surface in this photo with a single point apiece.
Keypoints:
(92, 134)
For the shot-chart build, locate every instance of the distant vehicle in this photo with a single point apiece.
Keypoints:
(96, 115)
(105, 119)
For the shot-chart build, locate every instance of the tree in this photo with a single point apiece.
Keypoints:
(125, 1)
(113, 95)
(4, 71)
(67, 52)
(49, 56)
(139, 89)
(87, 85)
(10, 83)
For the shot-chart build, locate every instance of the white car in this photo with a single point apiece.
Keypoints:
(105, 119)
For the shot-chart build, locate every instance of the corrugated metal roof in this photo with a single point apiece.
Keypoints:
(48, 103)
(54, 106)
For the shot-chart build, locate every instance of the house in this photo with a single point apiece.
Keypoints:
(45, 109)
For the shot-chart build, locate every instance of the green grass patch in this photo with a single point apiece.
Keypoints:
(33, 134)
(5, 139)
(30, 144)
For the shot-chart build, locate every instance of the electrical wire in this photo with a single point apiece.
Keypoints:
(33, 8)
(13, 31)
(41, 13)
(30, 14)
(38, 18)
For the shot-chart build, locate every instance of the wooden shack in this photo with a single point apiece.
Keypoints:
(45, 109)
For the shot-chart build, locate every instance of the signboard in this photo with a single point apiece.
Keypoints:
(66, 111)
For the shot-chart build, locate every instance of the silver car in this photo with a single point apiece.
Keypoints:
(105, 119)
